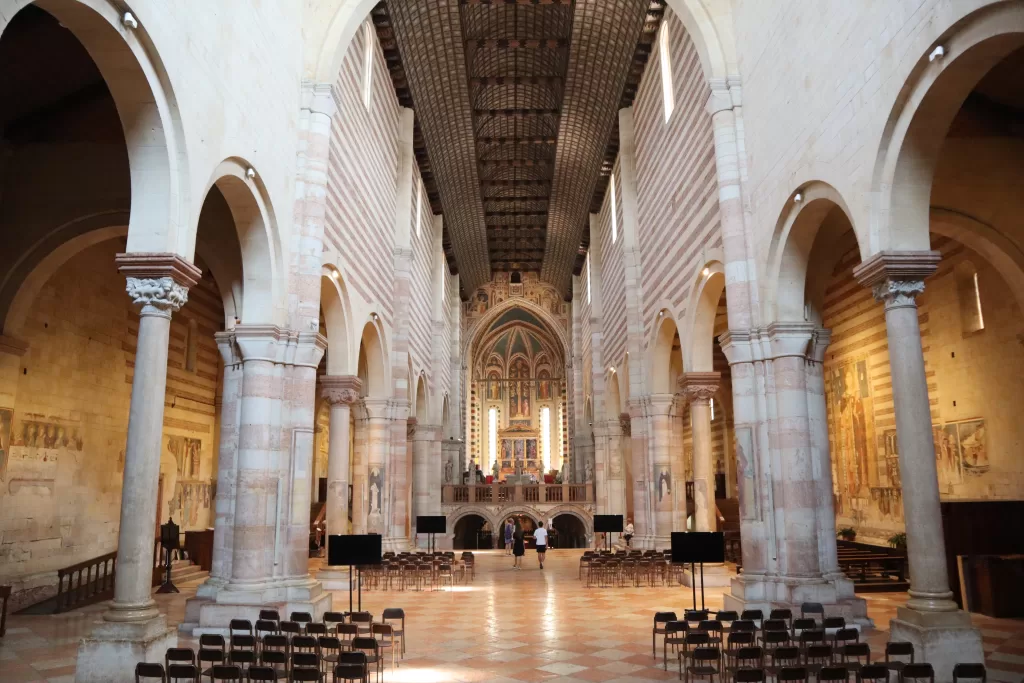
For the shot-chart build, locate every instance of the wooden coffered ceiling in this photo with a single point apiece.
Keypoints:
(516, 119)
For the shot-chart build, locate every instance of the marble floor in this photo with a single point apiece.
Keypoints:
(527, 625)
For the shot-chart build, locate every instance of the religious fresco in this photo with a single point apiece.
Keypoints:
(531, 289)
(191, 495)
(32, 450)
(187, 454)
(190, 501)
(961, 455)
(6, 420)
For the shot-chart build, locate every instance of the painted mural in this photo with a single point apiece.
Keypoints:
(6, 420)
(500, 289)
(190, 494)
(32, 449)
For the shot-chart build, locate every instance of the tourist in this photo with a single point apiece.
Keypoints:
(510, 529)
(540, 535)
(628, 534)
(518, 549)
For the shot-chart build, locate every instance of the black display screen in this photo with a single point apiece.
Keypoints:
(698, 546)
(353, 550)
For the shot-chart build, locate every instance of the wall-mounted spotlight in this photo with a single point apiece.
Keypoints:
(661, 314)
(611, 368)
(375, 316)
(129, 21)
(938, 53)
(706, 271)
(797, 198)
(250, 173)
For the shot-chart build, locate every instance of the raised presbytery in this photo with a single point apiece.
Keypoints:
(289, 288)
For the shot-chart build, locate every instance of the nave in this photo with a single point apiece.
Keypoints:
(504, 626)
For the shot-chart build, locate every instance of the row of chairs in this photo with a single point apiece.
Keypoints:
(703, 664)
(356, 668)
(343, 625)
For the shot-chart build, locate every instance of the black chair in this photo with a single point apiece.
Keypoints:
(210, 653)
(392, 615)
(787, 657)
(817, 657)
(856, 656)
(346, 632)
(363, 620)
(898, 649)
(239, 625)
(790, 674)
(734, 642)
(304, 644)
(303, 674)
(749, 658)
(349, 672)
(713, 628)
(182, 672)
(330, 651)
(917, 671)
(809, 638)
(694, 617)
(315, 628)
(743, 625)
(266, 627)
(144, 670)
(226, 673)
(972, 671)
(271, 614)
(369, 647)
(305, 659)
(834, 674)
(783, 613)
(774, 625)
(812, 609)
(832, 623)
(290, 628)
(800, 625)
(772, 640)
(748, 676)
(660, 619)
(243, 650)
(845, 636)
(264, 674)
(754, 615)
(873, 673)
(675, 635)
(274, 652)
(178, 655)
(727, 617)
(332, 619)
(704, 662)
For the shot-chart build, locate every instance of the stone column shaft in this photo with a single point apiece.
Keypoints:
(158, 284)
(661, 483)
(828, 555)
(377, 444)
(700, 388)
(224, 521)
(340, 392)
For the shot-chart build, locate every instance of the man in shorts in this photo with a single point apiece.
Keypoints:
(540, 535)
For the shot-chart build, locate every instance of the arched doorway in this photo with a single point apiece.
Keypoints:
(473, 532)
(568, 532)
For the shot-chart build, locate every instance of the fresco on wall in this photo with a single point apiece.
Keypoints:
(190, 503)
(851, 414)
(6, 419)
(531, 289)
(187, 454)
(32, 451)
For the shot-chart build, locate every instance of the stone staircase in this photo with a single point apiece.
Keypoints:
(183, 571)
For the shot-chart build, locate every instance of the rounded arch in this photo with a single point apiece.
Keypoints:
(925, 107)
(372, 368)
(583, 515)
(710, 37)
(341, 29)
(613, 397)
(134, 73)
(797, 262)
(420, 409)
(446, 417)
(263, 277)
(701, 313)
(665, 365)
(334, 304)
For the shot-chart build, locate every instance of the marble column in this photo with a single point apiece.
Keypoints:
(942, 633)
(659, 406)
(360, 444)
(699, 388)
(828, 555)
(377, 444)
(132, 628)
(425, 474)
(340, 392)
(616, 476)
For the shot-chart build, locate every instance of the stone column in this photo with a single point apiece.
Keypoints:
(699, 388)
(377, 444)
(340, 392)
(942, 634)
(828, 556)
(659, 406)
(133, 629)
(426, 477)
(616, 502)
(360, 444)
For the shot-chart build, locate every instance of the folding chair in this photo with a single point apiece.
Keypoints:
(917, 671)
(145, 670)
(898, 649)
(972, 671)
(704, 662)
(389, 616)
(675, 635)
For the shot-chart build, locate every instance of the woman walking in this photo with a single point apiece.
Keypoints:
(518, 549)
(510, 528)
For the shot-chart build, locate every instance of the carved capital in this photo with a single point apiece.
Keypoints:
(898, 293)
(897, 277)
(699, 387)
(340, 389)
(159, 283)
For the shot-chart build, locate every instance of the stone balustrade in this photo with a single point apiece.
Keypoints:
(510, 494)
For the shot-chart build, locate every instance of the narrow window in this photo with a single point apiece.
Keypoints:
(615, 210)
(367, 63)
(545, 437)
(492, 433)
(667, 91)
(419, 208)
(969, 296)
(588, 278)
(712, 409)
(977, 303)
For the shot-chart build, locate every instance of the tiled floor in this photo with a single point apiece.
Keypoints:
(527, 625)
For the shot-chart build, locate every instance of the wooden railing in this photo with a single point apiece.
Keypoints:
(92, 581)
(506, 494)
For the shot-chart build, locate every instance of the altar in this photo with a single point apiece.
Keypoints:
(520, 453)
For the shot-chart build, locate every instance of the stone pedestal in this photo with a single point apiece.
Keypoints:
(769, 592)
(304, 595)
(110, 652)
(943, 639)
(715, 576)
(334, 578)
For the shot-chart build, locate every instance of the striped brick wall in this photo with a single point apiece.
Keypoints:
(421, 311)
(362, 179)
(613, 279)
(677, 190)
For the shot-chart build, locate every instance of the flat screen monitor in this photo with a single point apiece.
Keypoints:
(607, 524)
(431, 524)
(698, 546)
(353, 550)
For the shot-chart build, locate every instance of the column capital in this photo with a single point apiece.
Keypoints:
(340, 389)
(375, 408)
(789, 339)
(226, 344)
(157, 282)
(260, 342)
(819, 344)
(699, 387)
(736, 346)
(897, 277)
(660, 404)
(309, 349)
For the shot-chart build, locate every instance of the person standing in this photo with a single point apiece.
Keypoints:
(628, 533)
(510, 529)
(518, 549)
(540, 535)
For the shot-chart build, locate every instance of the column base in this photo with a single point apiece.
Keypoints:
(834, 592)
(943, 639)
(110, 652)
(334, 579)
(286, 596)
(715, 576)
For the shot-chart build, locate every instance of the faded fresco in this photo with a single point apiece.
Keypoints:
(33, 449)
(6, 420)
(189, 495)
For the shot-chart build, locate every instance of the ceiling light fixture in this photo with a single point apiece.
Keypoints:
(938, 53)
(130, 21)
(250, 173)
(797, 198)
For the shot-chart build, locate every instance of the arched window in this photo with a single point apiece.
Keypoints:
(667, 90)
(545, 437)
(367, 63)
(492, 436)
(615, 209)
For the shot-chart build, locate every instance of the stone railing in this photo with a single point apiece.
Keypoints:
(509, 494)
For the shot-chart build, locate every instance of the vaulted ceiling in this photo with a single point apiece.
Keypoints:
(517, 106)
